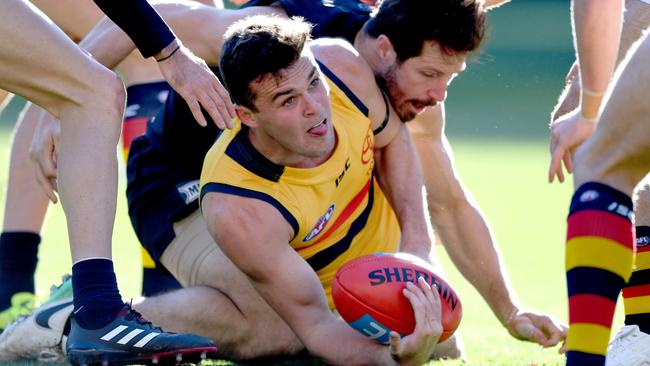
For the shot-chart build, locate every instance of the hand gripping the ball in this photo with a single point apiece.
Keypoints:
(415, 348)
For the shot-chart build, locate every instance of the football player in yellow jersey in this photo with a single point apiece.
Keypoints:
(290, 151)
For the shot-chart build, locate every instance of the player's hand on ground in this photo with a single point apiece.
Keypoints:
(42, 151)
(415, 348)
(538, 328)
(192, 79)
(567, 133)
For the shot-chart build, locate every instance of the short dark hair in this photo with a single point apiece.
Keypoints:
(257, 47)
(456, 25)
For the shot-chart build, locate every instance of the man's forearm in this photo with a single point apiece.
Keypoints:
(141, 22)
(470, 244)
(597, 26)
(401, 178)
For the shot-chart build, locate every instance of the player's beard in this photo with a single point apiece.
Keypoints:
(387, 82)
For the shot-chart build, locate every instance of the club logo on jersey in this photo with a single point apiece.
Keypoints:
(189, 191)
(320, 224)
(368, 148)
(589, 196)
(642, 241)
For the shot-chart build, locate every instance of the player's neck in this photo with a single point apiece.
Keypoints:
(365, 45)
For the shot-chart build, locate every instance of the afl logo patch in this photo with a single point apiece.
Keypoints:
(320, 224)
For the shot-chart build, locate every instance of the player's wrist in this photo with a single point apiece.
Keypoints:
(590, 102)
(168, 51)
(509, 316)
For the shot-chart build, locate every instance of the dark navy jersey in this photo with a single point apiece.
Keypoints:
(330, 18)
(141, 22)
(165, 164)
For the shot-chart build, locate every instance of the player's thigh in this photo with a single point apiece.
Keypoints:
(637, 19)
(39, 62)
(618, 153)
(196, 260)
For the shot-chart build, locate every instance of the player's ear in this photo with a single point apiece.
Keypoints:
(246, 116)
(386, 50)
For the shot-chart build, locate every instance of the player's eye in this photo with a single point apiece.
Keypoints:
(314, 83)
(288, 102)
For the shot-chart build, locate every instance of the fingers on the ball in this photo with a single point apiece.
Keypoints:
(427, 318)
(394, 342)
(419, 293)
(417, 300)
(433, 295)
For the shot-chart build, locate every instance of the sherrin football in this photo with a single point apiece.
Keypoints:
(367, 293)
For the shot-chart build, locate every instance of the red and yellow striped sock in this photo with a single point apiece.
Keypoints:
(636, 293)
(599, 255)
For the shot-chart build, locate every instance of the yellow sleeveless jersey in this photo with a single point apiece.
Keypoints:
(337, 210)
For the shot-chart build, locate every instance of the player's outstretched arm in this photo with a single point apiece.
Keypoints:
(465, 231)
(255, 236)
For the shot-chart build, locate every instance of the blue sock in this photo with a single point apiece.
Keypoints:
(18, 258)
(96, 297)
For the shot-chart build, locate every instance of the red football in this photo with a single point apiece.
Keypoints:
(367, 292)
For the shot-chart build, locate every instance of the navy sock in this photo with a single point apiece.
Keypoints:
(96, 297)
(18, 258)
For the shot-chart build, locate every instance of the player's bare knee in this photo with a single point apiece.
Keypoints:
(103, 96)
(110, 94)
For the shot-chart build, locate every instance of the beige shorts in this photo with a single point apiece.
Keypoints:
(193, 249)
